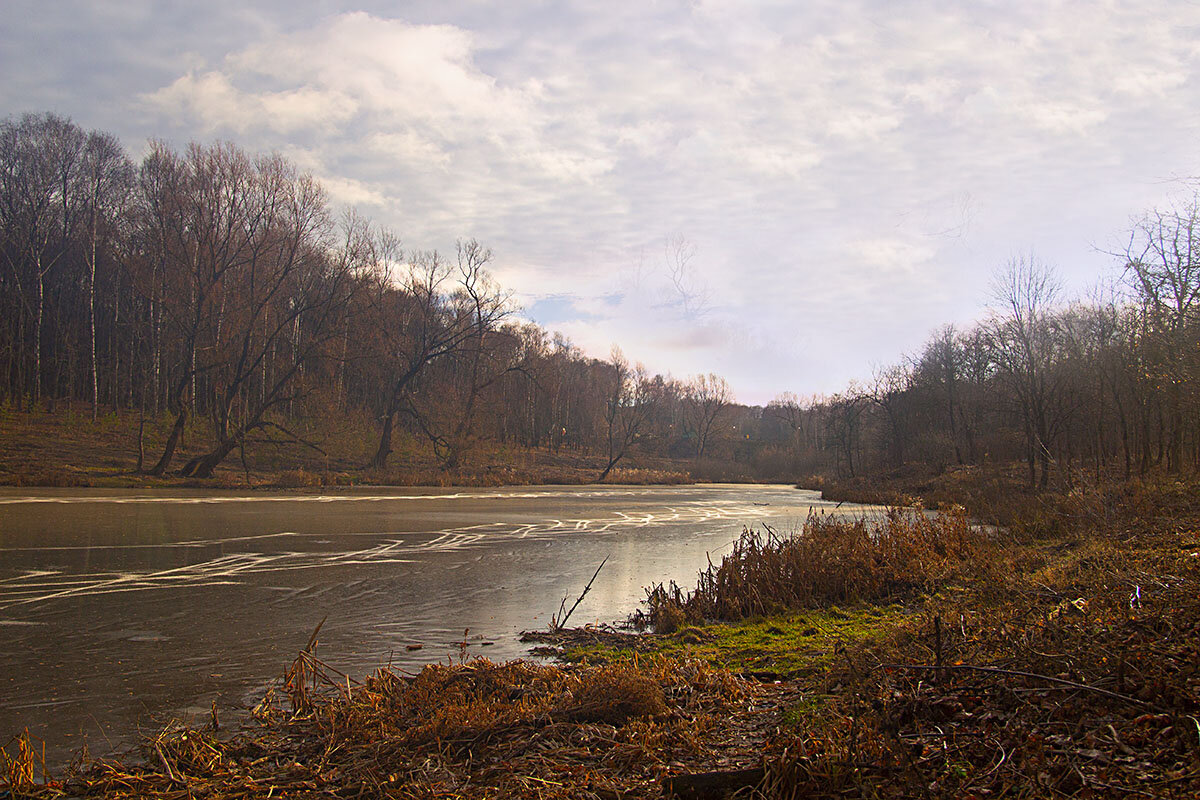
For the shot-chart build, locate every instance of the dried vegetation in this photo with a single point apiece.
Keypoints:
(475, 729)
(1076, 672)
(832, 561)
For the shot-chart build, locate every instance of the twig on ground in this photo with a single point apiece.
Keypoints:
(1032, 675)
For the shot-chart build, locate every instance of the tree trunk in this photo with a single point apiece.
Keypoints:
(116, 345)
(141, 459)
(203, 466)
(379, 460)
(92, 322)
(172, 441)
(612, 462)
(36, 393)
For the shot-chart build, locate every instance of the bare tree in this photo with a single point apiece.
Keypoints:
(239, 263)
(484, 358)
(40, 209)
(430, 318)
(688, 289)
(940, 363)
(888, 390)
(281, 307)
(630, 403)
(845, 413)
(1162, 264)
(1027, 346)
(706, 399)
(108, 180)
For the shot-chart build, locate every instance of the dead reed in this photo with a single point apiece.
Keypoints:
(19, 769)
(831, 561)
(476, 729)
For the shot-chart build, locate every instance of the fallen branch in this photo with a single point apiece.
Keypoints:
(1032, 675)
(711, 784)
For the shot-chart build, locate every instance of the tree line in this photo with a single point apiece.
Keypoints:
(213, 284)
(1104, 386)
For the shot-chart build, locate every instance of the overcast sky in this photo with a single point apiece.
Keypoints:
(845, 175)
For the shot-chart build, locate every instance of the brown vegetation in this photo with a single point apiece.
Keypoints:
(1073, 674)
(477, 729)
(64, 448)
(832, 561)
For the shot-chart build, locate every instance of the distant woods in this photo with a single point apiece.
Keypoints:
(216, 286)
(1105, 386)
(212, 284)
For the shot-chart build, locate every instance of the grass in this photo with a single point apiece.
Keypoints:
(1071, 672)
(474, 729)
(784, 645)
(831, 560)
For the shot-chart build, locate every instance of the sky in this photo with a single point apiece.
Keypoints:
(789, 195)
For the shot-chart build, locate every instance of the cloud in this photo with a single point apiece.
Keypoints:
(216, 104)
(849, 172)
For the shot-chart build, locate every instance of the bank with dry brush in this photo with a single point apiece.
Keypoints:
(907, 656)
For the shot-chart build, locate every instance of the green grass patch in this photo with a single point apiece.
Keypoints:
(801, 713)
(785, 644)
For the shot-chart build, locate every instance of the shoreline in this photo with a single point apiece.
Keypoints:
(1034, 670)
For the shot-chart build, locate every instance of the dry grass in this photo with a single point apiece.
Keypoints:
(476, 729)
(65, 448)
(37, 475)
(831, 561)
(646, 476)
(1074, 673)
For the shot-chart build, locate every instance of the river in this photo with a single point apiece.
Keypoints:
(123, 610)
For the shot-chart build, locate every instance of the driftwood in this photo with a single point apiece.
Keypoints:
(706, 785)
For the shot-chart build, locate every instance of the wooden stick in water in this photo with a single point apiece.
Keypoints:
(562, 623)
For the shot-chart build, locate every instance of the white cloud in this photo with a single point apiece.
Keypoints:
(408, 146)
(837, 164)
(891, 255)
(213, 100)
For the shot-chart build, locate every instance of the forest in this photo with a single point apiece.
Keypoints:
(218, 286)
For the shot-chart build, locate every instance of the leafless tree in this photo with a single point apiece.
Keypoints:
(706, 399)
(1027, 346)
(1162, 264)
(40, 208)
(888, 391)
(108, 181)
(439, 310)
(628, 408)
(689, 291)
